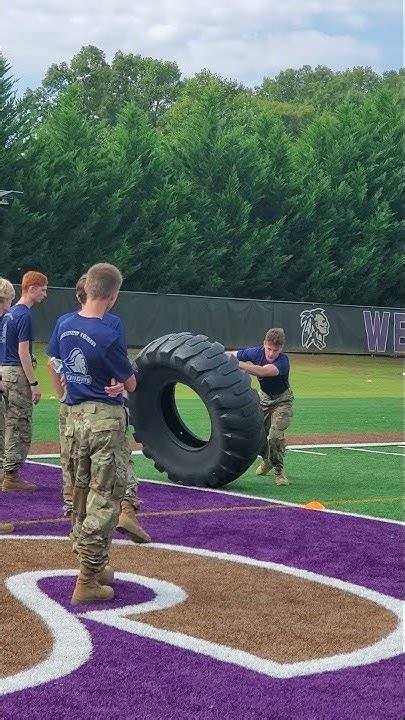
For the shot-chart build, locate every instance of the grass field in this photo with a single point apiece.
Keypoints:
(342, 479)
(334, 394)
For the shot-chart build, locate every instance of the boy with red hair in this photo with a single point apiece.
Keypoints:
(22, 389)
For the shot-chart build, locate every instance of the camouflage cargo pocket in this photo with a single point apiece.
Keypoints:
(107, 425)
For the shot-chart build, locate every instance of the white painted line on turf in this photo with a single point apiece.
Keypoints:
(72, 645)
(343, 445)
(307, 452)
(375, 452)
(43, 456)
(277, 501)
(24, 586)
(387, 647)
(289, 447)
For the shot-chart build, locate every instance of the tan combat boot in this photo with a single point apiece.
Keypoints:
(13, 482)
(106, 576)
(264, 467)
(88, 588)
(128, 524)
(280, 478)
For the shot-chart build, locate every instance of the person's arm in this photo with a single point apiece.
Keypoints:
(115, 388)
(259, 370)
(231, 352)
(130, 384)
(280, 366)
(121, 370)
(26, 364)
(56, 380)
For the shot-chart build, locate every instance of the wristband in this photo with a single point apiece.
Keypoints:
(34, 384)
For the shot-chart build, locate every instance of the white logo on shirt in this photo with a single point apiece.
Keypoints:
(3, 337)
(77, 365)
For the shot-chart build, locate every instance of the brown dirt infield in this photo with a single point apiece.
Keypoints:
(348, 622)
(40, 447)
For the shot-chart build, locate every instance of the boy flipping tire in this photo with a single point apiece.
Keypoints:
(271, 367)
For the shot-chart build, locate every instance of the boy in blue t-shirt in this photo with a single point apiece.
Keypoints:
(18, 372)
(7, 295)
(271, 367)
(92, 354)
(127, 521)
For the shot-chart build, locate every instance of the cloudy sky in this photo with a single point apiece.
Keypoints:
(241, 39)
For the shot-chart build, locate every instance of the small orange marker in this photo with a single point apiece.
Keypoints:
(314, 505)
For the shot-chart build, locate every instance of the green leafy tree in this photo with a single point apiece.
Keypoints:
(228, 158)
(293, 191)
(11, 158)
(153, 235)
(66, 217)
(347, 212)
(103, 89)
(153, 85)
(320, 86)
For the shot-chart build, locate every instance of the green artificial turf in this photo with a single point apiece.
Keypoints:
(312, 376)
(311, 416)
(351, 481)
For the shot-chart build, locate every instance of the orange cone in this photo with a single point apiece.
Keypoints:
(314, 505)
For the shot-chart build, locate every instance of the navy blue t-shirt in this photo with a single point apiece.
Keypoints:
(112, 321)
(16, 328)
(92, 354)
(275, 385)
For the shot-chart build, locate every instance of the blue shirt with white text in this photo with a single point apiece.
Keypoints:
(92, 353)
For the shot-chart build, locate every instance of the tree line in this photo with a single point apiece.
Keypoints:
(292, 190)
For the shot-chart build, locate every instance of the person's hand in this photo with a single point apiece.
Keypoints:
(35, 394)
(114, 389)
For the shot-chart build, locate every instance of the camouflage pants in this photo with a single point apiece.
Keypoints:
(2, 420)
(277, 417)
(131, 492)
(67, 487)
(98, 468)
(18, 418)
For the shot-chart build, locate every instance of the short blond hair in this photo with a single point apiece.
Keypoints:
(102, 280)
(276, 336)
(80, 291)
(6, 289)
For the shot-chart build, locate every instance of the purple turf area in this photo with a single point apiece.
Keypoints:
(133, 677)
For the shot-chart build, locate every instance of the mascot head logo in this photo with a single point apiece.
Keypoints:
(76, 362)
(315, 328)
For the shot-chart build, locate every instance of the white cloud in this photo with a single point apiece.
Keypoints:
(243, 39)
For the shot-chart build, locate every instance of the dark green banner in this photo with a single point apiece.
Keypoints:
(309, 328)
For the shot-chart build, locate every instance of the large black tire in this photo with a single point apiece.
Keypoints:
(236, 418)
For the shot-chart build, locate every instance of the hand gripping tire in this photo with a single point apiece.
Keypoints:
(237, 432)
